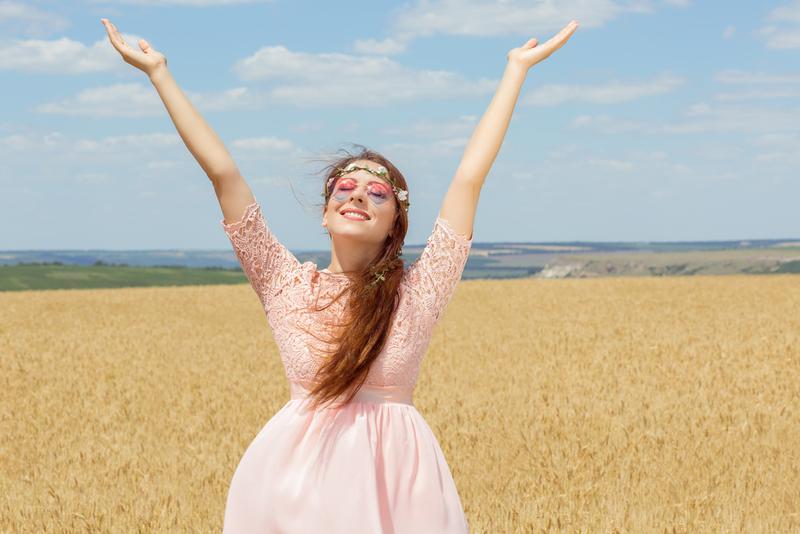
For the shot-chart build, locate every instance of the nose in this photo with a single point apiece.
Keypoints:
(358, 193)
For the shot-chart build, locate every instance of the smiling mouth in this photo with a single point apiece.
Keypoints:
(354, 216)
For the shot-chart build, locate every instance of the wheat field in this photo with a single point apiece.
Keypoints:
(592, 405)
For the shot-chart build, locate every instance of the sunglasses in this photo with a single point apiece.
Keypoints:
(378, 192)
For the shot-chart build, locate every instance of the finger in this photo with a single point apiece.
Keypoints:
(113, 37)
(568, 30)
(118, 35)
(565, 32)
(107, 26)
(561, 37)
(113, 34)
(145, 46)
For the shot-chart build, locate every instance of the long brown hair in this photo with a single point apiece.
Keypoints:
(362, 333)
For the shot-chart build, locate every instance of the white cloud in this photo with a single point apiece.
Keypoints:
(786, 13)
(607, 124)
(307, 79)
(766, 94)
(784, 141)
(19, 18)
(701, 118)
(790, 82)
(427, 151)
(484, 18)
(69, 146)
(61, 56)
(510, 17)
(439, 128)
(782, 159)
(745, 77)
(118, 100)
(738, 120)
(778, 148)
(429, 140)
(137, 100)
(189, 3)
(782, 30)
(780, 38)
(231, 99)
(15, 142)
(19, 142)
(125, 143)
(275, 144)
(597, 172)
(387, 47)
(608, 93)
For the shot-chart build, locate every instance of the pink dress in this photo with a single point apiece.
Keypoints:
(373, 466)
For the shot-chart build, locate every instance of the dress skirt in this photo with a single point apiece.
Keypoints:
(372, 466)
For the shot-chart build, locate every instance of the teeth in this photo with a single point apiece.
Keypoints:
(363, 217)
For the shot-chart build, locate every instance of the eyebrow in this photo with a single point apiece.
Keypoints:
(370, 182)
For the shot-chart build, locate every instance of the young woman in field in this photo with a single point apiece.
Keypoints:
(368, 462)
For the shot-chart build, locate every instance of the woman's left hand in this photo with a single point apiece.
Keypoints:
(531, 53)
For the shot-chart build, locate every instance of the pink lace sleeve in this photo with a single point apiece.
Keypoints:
(268, 265)
(436, 273)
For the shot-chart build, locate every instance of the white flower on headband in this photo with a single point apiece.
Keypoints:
(402, 194)
(352, 166)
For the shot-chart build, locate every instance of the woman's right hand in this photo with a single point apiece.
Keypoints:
(148, 60)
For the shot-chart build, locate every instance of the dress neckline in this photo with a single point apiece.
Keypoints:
(326, 271)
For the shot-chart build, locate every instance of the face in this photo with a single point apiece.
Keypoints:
(367, 193)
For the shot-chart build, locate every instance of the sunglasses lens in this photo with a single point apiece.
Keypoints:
(378, 193)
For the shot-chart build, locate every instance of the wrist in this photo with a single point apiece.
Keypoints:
(517, 69)
(158, 74)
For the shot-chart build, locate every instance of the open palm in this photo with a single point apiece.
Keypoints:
(147, 59)
(532, 52)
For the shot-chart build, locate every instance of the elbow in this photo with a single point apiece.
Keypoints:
(473, 180)
(222, 174)
(471, 174)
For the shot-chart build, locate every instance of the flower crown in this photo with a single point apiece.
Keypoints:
(401, 194)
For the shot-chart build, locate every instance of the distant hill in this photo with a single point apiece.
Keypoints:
(54, 269)
(699, 262)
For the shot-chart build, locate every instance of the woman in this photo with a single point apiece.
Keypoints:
(367, 463)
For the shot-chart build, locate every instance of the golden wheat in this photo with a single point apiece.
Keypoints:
(598, 405)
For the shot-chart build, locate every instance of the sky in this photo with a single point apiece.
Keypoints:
(659, 120)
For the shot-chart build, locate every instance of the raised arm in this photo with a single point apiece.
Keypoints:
(232, 191)
(461, 201)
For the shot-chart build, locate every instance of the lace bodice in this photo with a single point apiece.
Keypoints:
(287, 290)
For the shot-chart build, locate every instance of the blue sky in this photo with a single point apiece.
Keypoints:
(659, 119)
